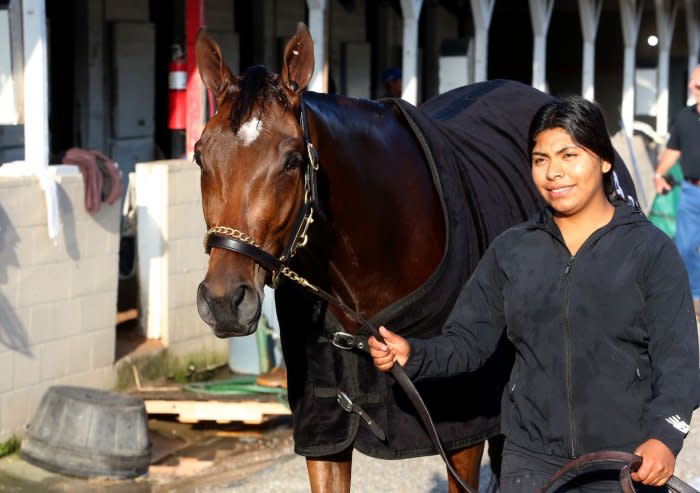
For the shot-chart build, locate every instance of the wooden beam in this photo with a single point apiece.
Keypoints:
(409, 62)
(540, 15)
(630, 16)
(193, 411)
(692, 27)
(36, 85)
(318, 29)
(482, 11)
(589, 11)
(36, 107)
(666, 11)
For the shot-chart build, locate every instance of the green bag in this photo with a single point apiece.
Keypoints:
(664, 208)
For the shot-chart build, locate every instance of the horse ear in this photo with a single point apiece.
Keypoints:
(298, 60)
(212, 69)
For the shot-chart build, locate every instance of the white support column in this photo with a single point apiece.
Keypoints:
(589, 11)
(36, 106)
(540, 15)
(317, 27)
(666, 11)
(36, 83)
(411, 16)
(482, 10)
(692, 27)
(630, 15)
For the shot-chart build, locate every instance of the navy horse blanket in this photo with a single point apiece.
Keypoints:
(474, 139)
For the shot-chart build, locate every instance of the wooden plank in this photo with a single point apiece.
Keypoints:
(192, 411)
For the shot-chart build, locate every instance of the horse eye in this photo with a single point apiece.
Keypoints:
(198, 158)
(294, 160)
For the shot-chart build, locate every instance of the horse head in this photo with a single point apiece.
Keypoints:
(251, 154)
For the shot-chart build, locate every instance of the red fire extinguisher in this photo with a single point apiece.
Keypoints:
(177, 89)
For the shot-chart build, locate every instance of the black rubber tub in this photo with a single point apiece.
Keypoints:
(87, 432)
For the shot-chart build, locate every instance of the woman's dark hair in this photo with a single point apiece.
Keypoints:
(584, 122)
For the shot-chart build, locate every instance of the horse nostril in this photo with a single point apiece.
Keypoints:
(246, 304)
(203, 306)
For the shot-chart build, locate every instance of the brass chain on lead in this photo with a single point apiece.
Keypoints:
(289, 273)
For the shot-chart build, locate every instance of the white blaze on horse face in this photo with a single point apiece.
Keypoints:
(250, 131)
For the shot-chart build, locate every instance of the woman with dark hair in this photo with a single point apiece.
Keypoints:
(596, 302)
(585, 124)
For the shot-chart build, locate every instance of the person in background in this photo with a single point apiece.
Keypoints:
(100, 175)
(684, 144)
(595, 300)
(392, 82)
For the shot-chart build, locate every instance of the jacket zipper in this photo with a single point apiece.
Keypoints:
(568, 364)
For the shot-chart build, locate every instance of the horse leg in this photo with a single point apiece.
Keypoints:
(330, 474)
(467, 463)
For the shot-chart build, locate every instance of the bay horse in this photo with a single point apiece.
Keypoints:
(347, 195)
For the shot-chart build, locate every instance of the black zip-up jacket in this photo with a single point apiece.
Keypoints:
(606, 342)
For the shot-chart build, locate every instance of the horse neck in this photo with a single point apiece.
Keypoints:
(385, 218)
(357, 141)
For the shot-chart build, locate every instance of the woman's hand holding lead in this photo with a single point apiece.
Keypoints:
(394, 349)
(658, 463)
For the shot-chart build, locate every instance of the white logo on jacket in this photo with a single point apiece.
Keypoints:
(678, 423)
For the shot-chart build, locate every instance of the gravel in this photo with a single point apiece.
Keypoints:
(420, 475)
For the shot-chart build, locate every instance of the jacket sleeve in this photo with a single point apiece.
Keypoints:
(673, 347)
(472, 330)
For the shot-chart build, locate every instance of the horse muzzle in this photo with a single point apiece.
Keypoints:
(233, 315)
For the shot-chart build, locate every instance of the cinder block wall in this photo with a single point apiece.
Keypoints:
(171, 257)
(57, 298)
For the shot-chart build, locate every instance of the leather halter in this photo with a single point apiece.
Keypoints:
(239, 242)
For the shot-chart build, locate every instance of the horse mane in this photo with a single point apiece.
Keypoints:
(256, 85)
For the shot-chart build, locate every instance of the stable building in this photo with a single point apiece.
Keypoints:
(119, 76)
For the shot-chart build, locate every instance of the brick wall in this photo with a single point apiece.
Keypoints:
(57, 298)
(172, 261)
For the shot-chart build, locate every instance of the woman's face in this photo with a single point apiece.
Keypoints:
(568, 176)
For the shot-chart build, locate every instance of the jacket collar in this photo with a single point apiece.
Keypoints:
(624, 214)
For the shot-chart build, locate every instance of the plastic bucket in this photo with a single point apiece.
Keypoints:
(89, 432)
(255, 353)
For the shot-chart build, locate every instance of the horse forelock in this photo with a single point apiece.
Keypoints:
(256, 88)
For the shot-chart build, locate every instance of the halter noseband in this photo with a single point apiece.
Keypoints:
(237, 241)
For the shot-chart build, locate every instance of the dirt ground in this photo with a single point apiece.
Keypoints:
(185, 458)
